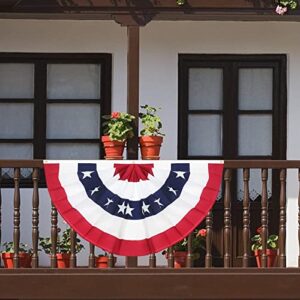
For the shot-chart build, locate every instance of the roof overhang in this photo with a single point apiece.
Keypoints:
(132, 12)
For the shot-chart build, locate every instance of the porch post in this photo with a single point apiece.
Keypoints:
(133, 57)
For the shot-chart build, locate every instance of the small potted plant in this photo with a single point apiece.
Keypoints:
(117, 128)
(180, 249)
(25, 254)
(271, 251)
(282, 6)
(63, 247)
(151, 137)
(101, 261)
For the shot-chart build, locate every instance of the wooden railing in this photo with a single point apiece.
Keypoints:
(229, 171)
(157, 282)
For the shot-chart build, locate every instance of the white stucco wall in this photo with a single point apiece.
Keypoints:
(160, 44)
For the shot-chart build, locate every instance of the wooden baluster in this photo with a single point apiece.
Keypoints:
(170, 257)
(111, 260)
(53, 236)
(264, 217)
(92, 256)
(152, 260)
(189, 261)
(16, 236)
(0, 210)
(209, 234)
(73, 259)
(227, 219)
(282, 219)
(35, 218)
(246, 219)
(299, 219)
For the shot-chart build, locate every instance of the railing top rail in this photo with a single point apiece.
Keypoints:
(268, 164)
(231, 164)
(20, 163)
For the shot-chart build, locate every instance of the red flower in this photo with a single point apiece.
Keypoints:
(259, 229)
(202, 232)
(115, 115)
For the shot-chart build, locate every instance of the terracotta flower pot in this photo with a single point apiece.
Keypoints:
(113, 149)
(24, 260)
(150, 146)
(271, 257)
(102, 262)
(63, 260)
(180, 258)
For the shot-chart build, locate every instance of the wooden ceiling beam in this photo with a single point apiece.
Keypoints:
(140, 12)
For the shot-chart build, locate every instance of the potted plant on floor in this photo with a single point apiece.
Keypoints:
(271, 251)
(180, 249)
(63, 247)
(101, 261)
(25, 254)
(117, 128)
(151, 137)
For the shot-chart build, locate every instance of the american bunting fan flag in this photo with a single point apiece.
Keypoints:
(133, 208)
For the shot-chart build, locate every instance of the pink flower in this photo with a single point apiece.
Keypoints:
(115, 115)
(202, 232)
(280, 10)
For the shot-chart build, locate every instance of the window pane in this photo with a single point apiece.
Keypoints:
(16, 121)
(73, 121)
(16, 81)
(205, 135)
(73, 81)
(72, 151)
(255, 135)
(205, 88)
(255, 88)
(16, 151)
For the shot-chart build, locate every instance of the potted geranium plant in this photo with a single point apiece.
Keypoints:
(271, 251)
(25, 254)
(283, 6)
(117, 128)
(63, 247)
(151, 137)
(180, 249)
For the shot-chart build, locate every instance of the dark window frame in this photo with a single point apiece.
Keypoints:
(230, 64)
(40, 101)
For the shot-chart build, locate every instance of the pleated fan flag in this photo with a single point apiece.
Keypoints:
(133, 208)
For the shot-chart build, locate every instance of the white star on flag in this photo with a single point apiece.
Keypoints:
(172, 190)
(87, 174)
(95, 190)
(145, 208)
(158, 202)
(129, 210)
(108, 202)
(122, 208)
(180, 174)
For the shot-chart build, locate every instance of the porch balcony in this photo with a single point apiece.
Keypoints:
(221, 277)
